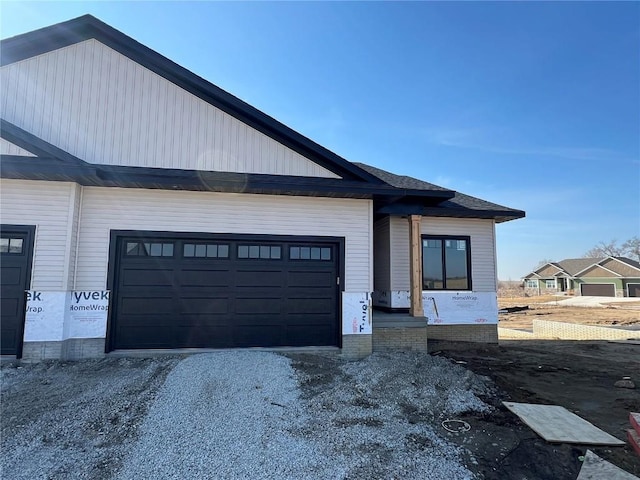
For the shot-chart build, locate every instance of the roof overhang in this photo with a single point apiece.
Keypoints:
(432, 210)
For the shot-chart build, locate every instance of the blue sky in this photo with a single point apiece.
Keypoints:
(531, 105)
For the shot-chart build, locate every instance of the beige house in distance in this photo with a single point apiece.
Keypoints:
(605, 277)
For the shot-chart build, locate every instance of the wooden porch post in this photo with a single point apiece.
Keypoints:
(415, 258)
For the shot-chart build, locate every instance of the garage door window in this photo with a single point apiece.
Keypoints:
(310, 253)
(209, 250)
(149, 249)
(264, 252)
(11, 245)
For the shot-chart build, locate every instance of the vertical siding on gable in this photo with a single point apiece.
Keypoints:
(8, 148)
(45, 205)
(483, 259)
(381, 255)
(106, 209)
(104, 108)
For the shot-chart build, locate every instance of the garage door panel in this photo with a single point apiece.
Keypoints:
(265, 335)
(204, 278)
(190, 300)
(311, 279)
(146, 306)
(133, 336)
(301, 335)
(598, 289)
(311, 292)
(258, 305)
(259, 278)
(205, 305)
(147, 277)
(204, 337)
(309, 306)
(147, 321)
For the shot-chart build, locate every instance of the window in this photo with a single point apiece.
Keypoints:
(550, 283)
(11, 245)
(149, 249)
(310, 253)
(530, 283)
(209, 250)
(265, 252)
(446, 263)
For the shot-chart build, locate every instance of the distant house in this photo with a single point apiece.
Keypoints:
(604, 277)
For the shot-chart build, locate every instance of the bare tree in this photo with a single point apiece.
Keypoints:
(632, 248)
(543, 262)
(604, 249)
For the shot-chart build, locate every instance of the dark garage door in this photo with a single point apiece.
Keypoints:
(16, 247)
(224, 292)
(598, 289)
(634, 289)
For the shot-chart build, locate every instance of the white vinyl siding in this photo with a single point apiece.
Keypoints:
(106, 209)
(73, 226)
(482, 233)
(381, 254)
(8, 148)
(104, 108)
(47, 205)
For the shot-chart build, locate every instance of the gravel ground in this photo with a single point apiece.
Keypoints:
(237, 414)
(74, 420)
(227, 415)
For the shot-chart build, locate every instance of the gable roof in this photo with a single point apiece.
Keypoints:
(573, 267)
(87, 27)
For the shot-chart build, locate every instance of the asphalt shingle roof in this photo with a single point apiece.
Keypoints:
(461, 204)
(575, 265)
(572, 266)
(399, 181)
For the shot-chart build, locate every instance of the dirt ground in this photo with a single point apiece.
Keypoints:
(618, 314)
(79, 419)
(579, 376)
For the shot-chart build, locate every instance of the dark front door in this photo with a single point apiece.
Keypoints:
(222, 292)
(16, 252)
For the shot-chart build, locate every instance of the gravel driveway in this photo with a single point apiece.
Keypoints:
(237, 414)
